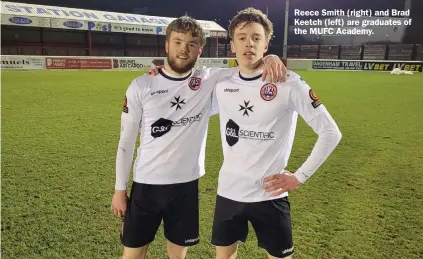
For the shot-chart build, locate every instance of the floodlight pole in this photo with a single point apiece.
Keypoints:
(285, 36)
(407, 5)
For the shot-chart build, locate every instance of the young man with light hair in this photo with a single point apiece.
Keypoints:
(258, 122)
(170, 111)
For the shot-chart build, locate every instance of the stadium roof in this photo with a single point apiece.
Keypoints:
(21, 14)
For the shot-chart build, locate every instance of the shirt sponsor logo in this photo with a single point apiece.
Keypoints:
(160, 127)
(233, 133)
(188, 120)
(163, 126)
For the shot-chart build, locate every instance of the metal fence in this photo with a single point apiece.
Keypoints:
(402, 52)
(57, 42)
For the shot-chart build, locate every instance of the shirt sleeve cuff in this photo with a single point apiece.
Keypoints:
(301, 177)
(120, 186)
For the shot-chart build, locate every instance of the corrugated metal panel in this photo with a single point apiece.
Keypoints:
(94, 16)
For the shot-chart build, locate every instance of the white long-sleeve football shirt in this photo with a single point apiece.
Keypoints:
(257, 123)
(171, 115)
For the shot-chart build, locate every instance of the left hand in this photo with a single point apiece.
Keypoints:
(274, 68)
(280, 183)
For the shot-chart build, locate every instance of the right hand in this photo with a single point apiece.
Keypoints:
(154, 71)
(119, 203)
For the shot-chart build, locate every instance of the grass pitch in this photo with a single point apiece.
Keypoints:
(60, 131)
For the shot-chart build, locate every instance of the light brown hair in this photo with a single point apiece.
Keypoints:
(186, 24)
(251, 15)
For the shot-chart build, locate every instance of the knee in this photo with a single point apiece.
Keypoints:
(175, 251)
(287, 257)
(135, 253)
(124, 256)
(226, 252)
(176, 256)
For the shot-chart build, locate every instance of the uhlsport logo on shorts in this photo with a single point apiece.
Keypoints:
(233, 133)
(192, 240)
(286, 251)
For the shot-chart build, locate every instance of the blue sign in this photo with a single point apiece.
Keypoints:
(61, 12)
(20, 20)
(73, 24)
(23, 10)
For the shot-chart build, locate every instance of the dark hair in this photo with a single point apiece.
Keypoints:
(251, 15)
(186, 24)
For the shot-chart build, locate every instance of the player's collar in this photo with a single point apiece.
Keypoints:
(252, 77)
(168, 76)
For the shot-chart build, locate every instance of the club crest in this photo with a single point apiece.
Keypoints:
(194, 83)
(268, 92)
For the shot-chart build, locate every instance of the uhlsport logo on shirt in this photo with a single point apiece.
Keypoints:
(160, 92)
(234, 133)
(231, 90)
(160, 127)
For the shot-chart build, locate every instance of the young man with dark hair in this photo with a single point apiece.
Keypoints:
(258, 122)
(170, 111)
